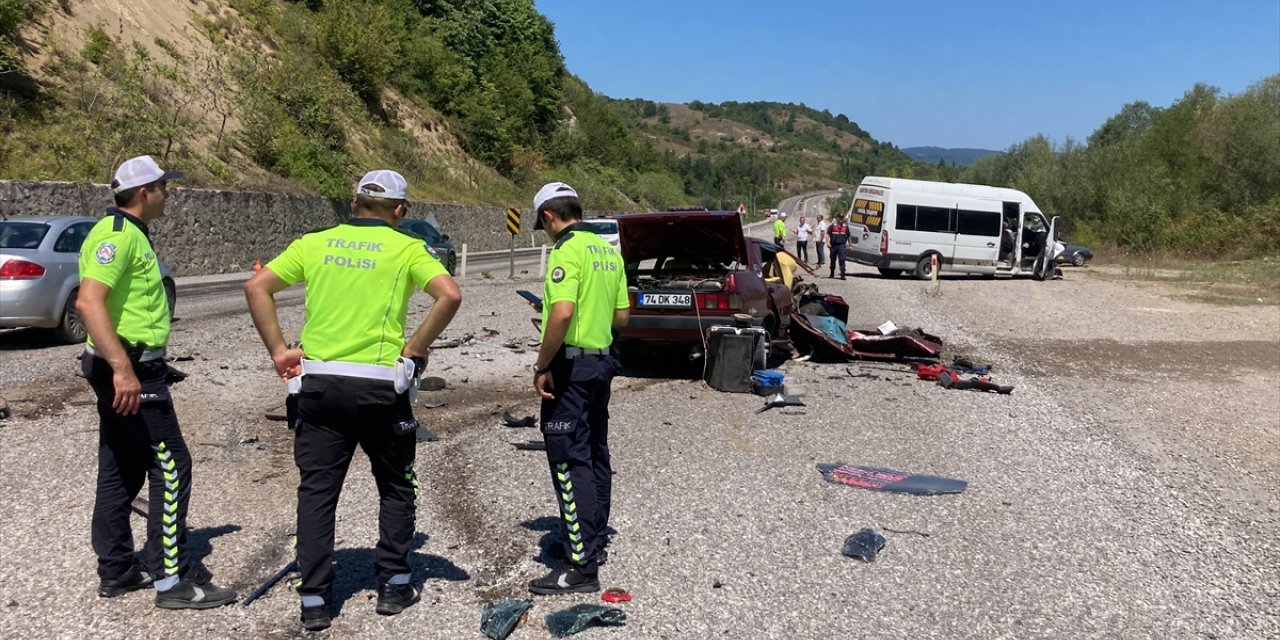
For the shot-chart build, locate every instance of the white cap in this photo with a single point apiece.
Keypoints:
(783, 214)
(139, 171)
(549, 191)
(392, 185)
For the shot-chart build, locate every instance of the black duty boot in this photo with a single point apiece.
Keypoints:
(189, 595)
(316, 618)
(565, 579)
(132, 580)
(394, 598)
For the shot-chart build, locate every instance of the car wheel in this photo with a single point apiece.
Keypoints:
(1077, 259)
(171, 295)
(890, 273)
(924, 268)
(451, 263)
(71, 327)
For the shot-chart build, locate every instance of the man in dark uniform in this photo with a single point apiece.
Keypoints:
(837, 240)
(355, 376)
(126, 313)
(585, 299)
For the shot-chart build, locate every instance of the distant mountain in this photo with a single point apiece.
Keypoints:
(961, 157)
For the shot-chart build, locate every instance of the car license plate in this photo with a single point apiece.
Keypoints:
(670, 300)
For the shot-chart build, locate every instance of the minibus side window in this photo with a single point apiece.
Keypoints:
(936, 219)
(978, 223)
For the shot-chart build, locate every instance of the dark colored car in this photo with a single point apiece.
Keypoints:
(429, 230)
(1075, 255)
(40, 273)
(691, 270)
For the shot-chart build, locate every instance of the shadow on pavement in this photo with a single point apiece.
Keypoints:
(200, 545)
(660, 362)
(550, 548)
(27, 339)
(355, 571)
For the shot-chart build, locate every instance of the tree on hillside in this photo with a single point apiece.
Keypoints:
(1240, 139)
(1133, 120)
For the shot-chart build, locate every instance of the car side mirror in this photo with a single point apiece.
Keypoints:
(444, 237)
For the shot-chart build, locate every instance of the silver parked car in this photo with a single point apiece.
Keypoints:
(40, 273)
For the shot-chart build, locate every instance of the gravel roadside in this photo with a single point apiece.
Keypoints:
(1119, 492)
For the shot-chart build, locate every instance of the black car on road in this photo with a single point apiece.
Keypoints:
(429, 231)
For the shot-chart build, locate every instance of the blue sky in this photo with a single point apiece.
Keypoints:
(972, 73)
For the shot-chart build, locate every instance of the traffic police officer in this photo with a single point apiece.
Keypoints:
(585, 298)
(124, 308)
(355, 377)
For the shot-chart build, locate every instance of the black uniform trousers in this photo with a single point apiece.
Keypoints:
(837, 253)
(146, 446)
(575, 427)
(335, 413)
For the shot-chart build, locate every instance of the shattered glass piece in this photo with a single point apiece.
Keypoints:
(863, 545)
(497, 621)
(579, 617)
(879, 479)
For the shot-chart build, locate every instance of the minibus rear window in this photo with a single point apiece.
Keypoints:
(868, 213)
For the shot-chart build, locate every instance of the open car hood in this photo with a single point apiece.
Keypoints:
(702, 236)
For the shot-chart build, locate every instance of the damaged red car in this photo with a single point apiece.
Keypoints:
(688, 271)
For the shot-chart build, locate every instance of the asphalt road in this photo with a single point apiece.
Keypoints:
(1126, 489)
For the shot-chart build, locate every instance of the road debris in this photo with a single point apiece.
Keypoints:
(615, 595)
(497, 621)
(431, 383)
(863, 545)
(517, 423)
(949, 379)
(880, 479)
(579, 617)
(780, 400)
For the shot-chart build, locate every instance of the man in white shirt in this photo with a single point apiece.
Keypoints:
(821, 240)
(802, 231)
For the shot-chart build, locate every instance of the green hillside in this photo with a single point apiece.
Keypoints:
(470, 99)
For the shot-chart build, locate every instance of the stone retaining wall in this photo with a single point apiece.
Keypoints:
(208, 231)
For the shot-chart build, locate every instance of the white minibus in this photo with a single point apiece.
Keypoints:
(899, 225)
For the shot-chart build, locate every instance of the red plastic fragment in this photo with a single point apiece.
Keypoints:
(614, 594)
